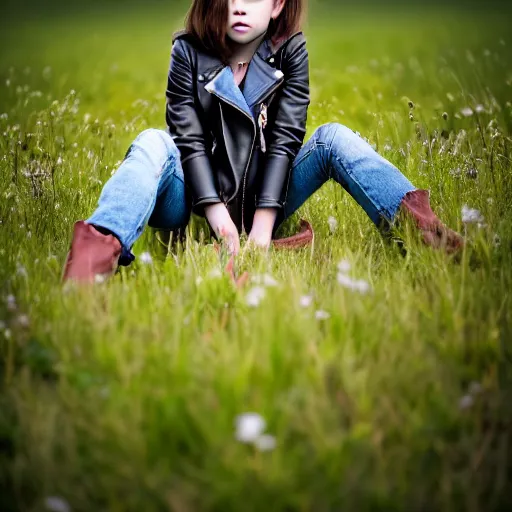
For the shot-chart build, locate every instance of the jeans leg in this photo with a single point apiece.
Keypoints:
(335, 151)
(148, 185)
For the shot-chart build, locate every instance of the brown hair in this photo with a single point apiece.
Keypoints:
(207, 19)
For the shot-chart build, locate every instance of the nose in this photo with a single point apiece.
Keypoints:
(238, 6)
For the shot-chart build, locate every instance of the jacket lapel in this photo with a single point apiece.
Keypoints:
(261, 78)
(224, 86)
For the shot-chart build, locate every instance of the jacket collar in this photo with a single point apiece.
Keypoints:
(262, 77)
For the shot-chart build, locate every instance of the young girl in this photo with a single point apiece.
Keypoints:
(237, 101)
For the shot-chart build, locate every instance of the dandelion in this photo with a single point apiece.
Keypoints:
(333, 224)
(456, 173)
(56, 504)
(344, 266)
(471, 215)
(215, 273)
(199, 280)
(254, 296)
(99, 278)
(305, 301)
(21, 271)
(11, 302)
(466, 402)
(7, 334)
(467, 111)
(23, 321)
(146, 258)
(322, 315)
(357, 285)
(479, 109)
(475, 388)
(249, 427)
(264, 280)
(265, 443)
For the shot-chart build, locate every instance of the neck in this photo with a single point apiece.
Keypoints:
(244, 52)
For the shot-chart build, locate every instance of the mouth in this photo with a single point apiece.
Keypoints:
(240, 25)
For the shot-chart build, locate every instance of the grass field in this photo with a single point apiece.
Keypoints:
(124, 397)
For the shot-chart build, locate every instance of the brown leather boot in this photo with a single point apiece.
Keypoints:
(416, 205)
(91, 254)
(301, 239)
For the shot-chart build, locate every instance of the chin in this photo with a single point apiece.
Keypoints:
(240, 38)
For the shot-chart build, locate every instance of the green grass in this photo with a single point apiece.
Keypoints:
(124, 397)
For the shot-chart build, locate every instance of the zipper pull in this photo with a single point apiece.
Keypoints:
(262, 122)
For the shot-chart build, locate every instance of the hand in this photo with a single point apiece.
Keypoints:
(262, 226)
(224, 227)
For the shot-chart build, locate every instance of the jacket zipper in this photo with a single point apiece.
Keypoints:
(252, 148)
(255, 133)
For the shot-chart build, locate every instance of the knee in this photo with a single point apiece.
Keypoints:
(329, 132)
(158, 141)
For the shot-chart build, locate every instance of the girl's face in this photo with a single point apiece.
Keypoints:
(255, 16)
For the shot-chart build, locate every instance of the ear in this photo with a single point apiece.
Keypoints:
(278, 7)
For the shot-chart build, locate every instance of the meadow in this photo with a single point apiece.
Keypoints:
(135, 394)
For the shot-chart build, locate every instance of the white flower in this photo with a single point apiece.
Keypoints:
(322, 315)
(249, 426)
(21, 271)
(333, 224)
(265, 443)
(471, 215)
(479, 109)
(215, 273)
(357, 285)
(11, 303)
(199, 280)
(467, 112)
(56, 504)
(23, 321)
(496, 241)
(255, 295)
(264, 279)
(146, 258)
(305, 301)
(100, 278)
(466, 402)
(361, 286)
(475, 388)
(344, 266)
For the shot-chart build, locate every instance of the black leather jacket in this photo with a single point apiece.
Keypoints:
(238, 147)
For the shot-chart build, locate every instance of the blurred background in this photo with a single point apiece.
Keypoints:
(114, 53)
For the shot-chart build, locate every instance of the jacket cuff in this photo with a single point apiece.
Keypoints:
(273, 192)
(199, 177)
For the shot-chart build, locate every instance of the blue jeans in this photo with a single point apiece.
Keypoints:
(148, 188)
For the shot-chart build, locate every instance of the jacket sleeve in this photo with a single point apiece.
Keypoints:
(186, 129)
(288, 131)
